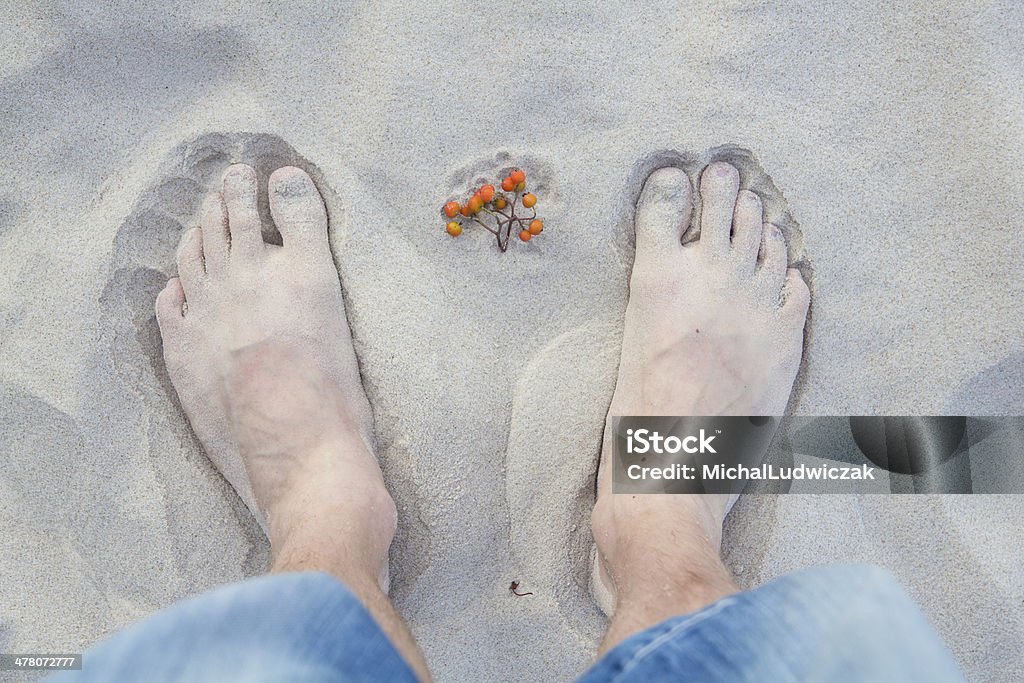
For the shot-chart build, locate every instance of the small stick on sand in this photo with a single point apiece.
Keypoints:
(514, 586)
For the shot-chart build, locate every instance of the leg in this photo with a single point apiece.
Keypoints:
(712, 328)
(851, 623)
(258, 348)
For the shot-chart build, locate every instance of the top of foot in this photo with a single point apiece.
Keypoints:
(259, 351)
(713, 327)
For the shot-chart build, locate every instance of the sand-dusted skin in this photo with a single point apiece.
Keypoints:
(258, 348)
(713, 327)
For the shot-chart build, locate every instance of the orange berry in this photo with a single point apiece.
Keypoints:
(508, 185)
(500, 203)
(517, 176)
(475, 203)
(525, 235)
(464, 210)
(487, 193)
(520, 186)
(529, 199)
(536, 225)
(453, 228)
(451, 208)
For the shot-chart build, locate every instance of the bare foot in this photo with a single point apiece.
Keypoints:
(712, 328)
(258, 348)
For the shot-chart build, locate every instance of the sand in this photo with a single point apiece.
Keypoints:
(895, 135)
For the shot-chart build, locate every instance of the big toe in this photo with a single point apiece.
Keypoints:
(663, 211)
(298, 209)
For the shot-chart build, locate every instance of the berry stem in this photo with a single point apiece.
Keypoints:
(485, 226)
(508, 235)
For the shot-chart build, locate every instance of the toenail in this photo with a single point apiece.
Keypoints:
(292, 186)
(237, 171)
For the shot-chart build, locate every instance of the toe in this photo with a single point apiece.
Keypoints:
(214, 222)
(719, 184)
(170, 306)
(796, 294)
(773, 259)
(240, 197)
(191, 268)
(298, 209)
(663, 211)
(747, 222)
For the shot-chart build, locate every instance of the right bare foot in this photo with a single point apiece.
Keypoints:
(712, 328)
(259, 351)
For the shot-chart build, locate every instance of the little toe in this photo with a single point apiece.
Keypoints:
(773, 259)
(662, 212)
(240, 197)
(191, 268)
(747, 222)
(214, 222)
(719, 184)
(170, 304)
(796, 294)
(298, 209)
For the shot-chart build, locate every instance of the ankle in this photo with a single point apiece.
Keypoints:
(681, 580)
(350, 541)
(333, 516)
(648, 520)
(661, 549)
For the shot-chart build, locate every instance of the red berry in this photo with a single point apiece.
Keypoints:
(525, 235)
(487, 193)
(508, 185)
(517, 176)
(451, 208)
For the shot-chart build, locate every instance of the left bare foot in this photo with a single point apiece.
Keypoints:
(712, 328)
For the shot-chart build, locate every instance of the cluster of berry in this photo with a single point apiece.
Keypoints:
(500, 207)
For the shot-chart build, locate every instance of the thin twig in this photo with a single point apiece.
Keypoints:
(514, 586)
(486, 227)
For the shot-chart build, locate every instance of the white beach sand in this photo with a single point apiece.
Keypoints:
(895, 133)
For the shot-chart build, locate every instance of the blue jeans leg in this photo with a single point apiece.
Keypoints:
(845, 623)
(288, 627)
